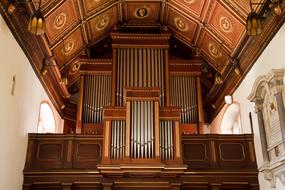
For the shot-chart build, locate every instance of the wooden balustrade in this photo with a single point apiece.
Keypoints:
(71, 161)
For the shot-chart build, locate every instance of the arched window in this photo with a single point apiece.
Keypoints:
(231, 120)
(46, 119)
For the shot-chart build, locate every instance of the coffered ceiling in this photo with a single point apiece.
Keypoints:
(211, 30)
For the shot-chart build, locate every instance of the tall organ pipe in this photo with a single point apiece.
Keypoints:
(139, 68)
(183, 94)
(96, 95)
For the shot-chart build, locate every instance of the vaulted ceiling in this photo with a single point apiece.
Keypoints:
(210, 30)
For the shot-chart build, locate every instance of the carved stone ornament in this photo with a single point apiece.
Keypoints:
(263, 95)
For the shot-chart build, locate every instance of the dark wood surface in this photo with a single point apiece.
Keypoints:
(57, 161)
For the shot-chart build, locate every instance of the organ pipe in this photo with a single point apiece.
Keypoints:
(118, 130)
(142, 127)
(139, 68)
(97, 94)
(183, 94)
(166, 140)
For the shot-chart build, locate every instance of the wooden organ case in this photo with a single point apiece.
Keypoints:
(139, 126)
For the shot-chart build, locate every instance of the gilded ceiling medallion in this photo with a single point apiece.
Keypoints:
(59, 21)
(102, 23)
(180, 24)
(68, 46)
(141, 13)
(214, 50)
(73, 70)
(226, 24)
(190, 1)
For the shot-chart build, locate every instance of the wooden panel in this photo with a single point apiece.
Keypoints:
(101, 24)
(70, 46)
(146, 12)
(182, 25)
(194, 7)
(195, 154)
(220, 152)
(94, 5)
(61, 19)
(48, 154)
(213, 50)
(87, 153)
(226, 25)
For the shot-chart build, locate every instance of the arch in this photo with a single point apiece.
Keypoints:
(231, 120)
(46, 122)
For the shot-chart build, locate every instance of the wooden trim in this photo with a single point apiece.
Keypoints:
(200, 106)
(80, 106)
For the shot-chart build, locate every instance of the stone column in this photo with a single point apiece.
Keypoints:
(258, 110)
(281, 110)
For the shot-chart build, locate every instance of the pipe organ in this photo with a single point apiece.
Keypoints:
(139, 67)
(183, 94)
(139, 101)
(97, 94)
(142, 129)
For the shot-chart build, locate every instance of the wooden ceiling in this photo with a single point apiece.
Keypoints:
(212, 30)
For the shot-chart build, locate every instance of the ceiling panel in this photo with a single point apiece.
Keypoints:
(226, 25)
(102, 23)
(69, 47)
(61, 19)
(181, 25)
(213, 50)
(94, 5)
(141, 11)
(193, 7)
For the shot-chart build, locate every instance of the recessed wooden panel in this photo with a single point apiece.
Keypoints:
(141, 11)
(93, 5)
(194, 152)
(103, 23)
(182, 25)
(194, 7)
(226, 25)
(88, 151)
(61, 19)
(49, 151)
(213, 50)
(232, 152)
(71, 45)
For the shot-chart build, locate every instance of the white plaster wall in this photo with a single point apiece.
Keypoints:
(271, 58)
(18, 113)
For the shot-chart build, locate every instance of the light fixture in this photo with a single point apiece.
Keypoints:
(228, 99)
(218, 78)
(237, 69)
(277, 9)
(254, 23)
(11, 8)
(63, 79)
(37, 22)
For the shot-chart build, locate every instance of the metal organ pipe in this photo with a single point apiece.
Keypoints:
(183, 93)
(96, 95)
